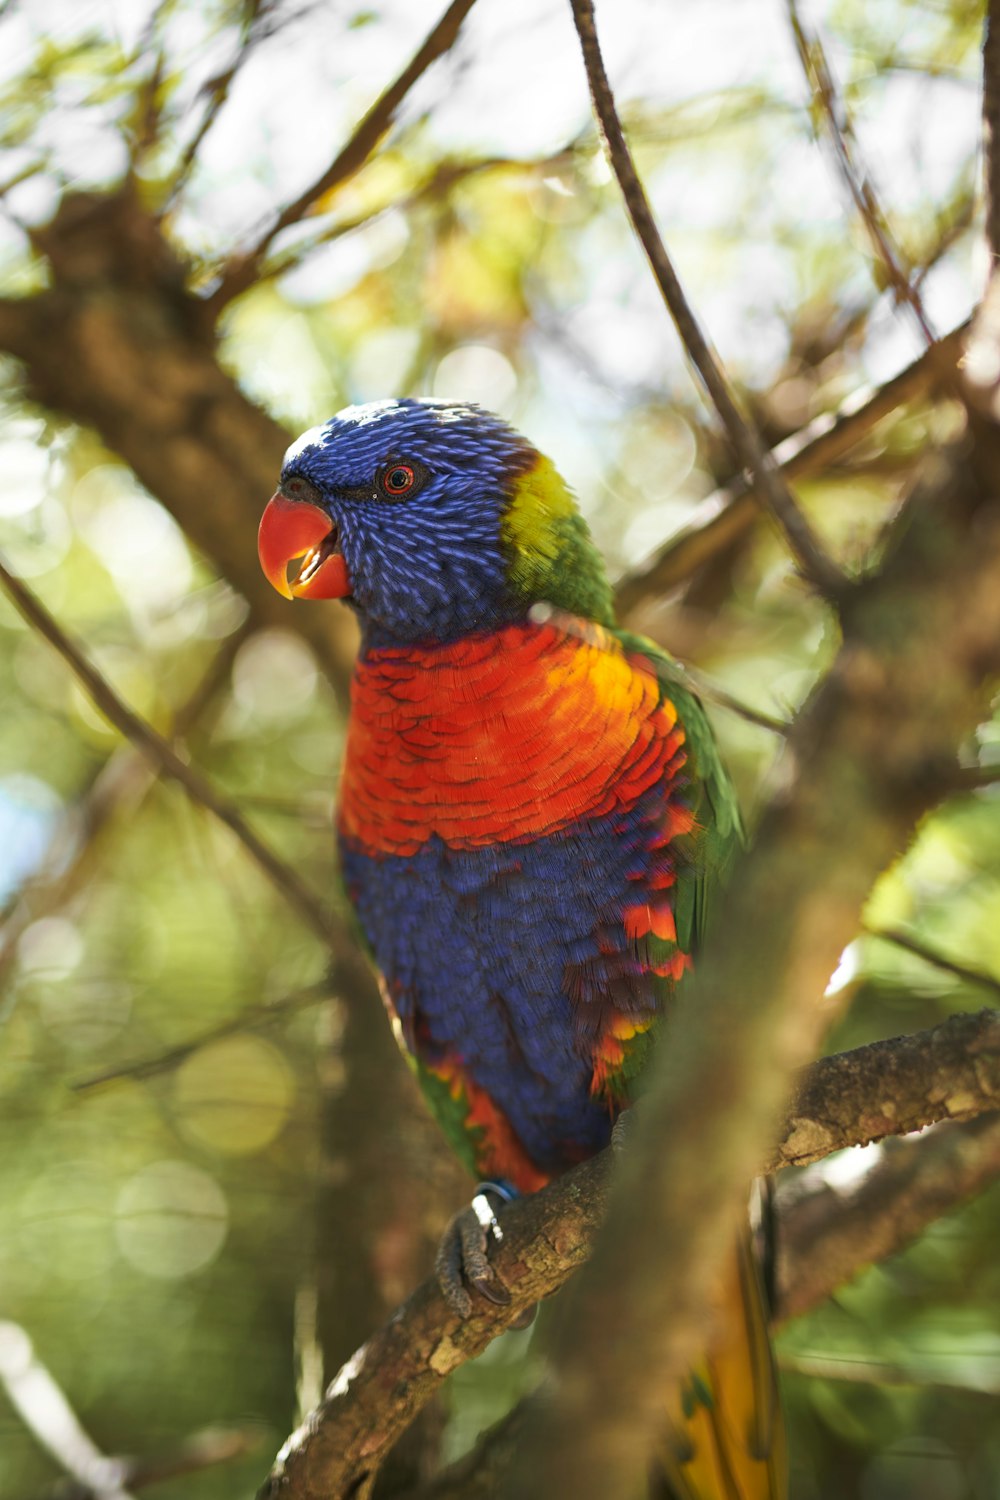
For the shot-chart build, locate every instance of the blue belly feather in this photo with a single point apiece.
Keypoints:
(481, 948)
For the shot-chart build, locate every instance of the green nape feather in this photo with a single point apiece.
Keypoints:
(550, 554)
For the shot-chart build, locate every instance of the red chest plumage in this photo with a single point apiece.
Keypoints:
(499, 738)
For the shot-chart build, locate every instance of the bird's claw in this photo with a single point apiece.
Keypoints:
(463, 1256)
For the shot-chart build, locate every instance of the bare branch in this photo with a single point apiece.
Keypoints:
(241, 272)
(745, 440)
(253, 1015)
(859, 1369)
(705, 687)
(912, 944)
(203, 1450)
(855, 175)
(951, 1071)
(729, 513)
(216, 92)
(446, 176)
(677, 671)
(830, 1235)
(327, 927)
(121, 782)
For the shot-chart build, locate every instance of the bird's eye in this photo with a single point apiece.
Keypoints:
(398, 479)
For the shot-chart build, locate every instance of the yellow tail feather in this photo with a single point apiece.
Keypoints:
(727, 1437)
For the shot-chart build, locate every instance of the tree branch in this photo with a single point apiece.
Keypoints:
(753, 456)
(952, 1071)
(728, 514)
(122, 781)
(825, 1238)
(241, 272)
(828, 1236)
(324, 924)
(265, 1014)
(855, 175)
(217, 90)
(117, 344)
(911, 944)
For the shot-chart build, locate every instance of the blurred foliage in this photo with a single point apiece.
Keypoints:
(157, 1226)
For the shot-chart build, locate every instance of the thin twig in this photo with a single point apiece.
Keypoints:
(745, 440)
(241, 272)
(446, 176)
(203, 1450)
(254, 1015)
(862, 1370)
(162, 755)
(705, 687)
(727, 513)
(911, 944)
(991, 124)
(856, 176)
(215, 92)
(122, 780)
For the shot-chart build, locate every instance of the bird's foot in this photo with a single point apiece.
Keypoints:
(463, 1257)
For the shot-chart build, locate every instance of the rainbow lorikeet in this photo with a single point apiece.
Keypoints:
(532, 817)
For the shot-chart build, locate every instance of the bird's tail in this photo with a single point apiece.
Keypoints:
(726, 1439)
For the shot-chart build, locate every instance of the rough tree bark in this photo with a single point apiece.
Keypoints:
(950, 1072)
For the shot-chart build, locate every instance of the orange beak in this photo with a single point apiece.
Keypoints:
(290, 529)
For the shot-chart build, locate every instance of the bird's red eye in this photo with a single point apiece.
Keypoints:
(398, 479)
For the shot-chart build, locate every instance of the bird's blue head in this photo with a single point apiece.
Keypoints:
(435, 518)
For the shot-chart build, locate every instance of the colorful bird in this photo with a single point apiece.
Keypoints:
(532, 818)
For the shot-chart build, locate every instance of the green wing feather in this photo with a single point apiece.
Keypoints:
(719, 830)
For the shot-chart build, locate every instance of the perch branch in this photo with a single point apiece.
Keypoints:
(750, 451)
(825, 1238)
(952, 1071)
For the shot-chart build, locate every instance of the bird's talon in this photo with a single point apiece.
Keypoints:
(463, 1258)
(492, 1289)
